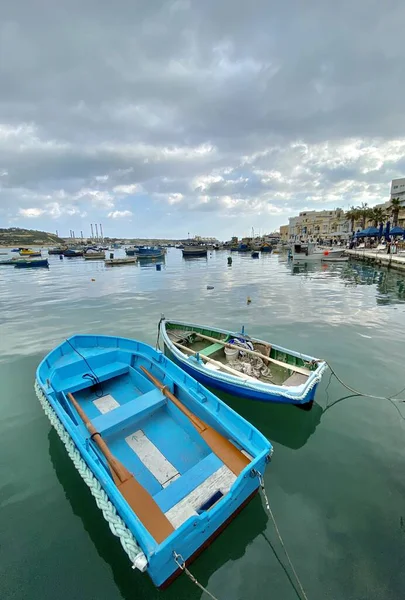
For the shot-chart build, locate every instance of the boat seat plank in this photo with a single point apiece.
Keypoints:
(120, 417)
(152, 458)
(221, 481)
(77, 382)
(189, 481)
(211, 349)
(295, 379)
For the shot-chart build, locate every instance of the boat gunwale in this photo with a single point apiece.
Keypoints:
(145, 540)
(297, 392)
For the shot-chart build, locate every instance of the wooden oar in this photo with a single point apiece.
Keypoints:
(217, 363)
(301, 370)
(231, 456)
(139, 499)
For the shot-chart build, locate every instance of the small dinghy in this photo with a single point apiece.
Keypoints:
(168, 462)
(241, 365)
(130, 260)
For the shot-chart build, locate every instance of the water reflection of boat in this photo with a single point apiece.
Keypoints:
(148, 261)
(229, 546)
(285, 424)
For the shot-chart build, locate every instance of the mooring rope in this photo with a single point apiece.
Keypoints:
(266, 500)
(180, 562)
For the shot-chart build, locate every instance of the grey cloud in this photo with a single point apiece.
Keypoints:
(107, 87)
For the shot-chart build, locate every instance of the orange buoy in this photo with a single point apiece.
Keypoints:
(326, 253)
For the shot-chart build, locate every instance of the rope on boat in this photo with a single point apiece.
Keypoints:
(266, 500)
(116, 524)
(180, 562)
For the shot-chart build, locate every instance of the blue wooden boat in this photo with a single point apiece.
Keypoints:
(150, 252)
(72, 253)
(31, 263)
(172, 462)
(242, 365)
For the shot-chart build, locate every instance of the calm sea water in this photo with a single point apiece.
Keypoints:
(337, 480)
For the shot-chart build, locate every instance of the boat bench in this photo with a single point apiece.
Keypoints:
(211, 349)
(119, 418)
(77, 382)
(188, 482)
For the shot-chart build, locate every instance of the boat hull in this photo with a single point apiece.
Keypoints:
(194, 252)
(235, 389)
(195, 532)
(32, 263)
(299, 395)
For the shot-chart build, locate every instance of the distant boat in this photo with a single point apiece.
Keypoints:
(150, 252)
(56, 251)
(72, 253)
(309, 252)
(31, 263)
(174, 461)
(255, 254)
(9, 261)
(241, 365)
(30, 253)
(194, 251)
(93, 255)
(16, 249)
(111, 262)
(266, 248)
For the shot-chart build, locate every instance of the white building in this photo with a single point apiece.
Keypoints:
(398, 189)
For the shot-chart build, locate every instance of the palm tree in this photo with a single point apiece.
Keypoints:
(352, 215)
(377, 215)
(364, 212)
(395, 207)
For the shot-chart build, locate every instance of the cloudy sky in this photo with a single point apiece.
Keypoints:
(196, 116)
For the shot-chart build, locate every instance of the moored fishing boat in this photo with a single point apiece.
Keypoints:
(130, 260)
(168, 461)
(9, 261)
(194, 251)
(72, 253)
(56, 251)
(27, 252)
(242, 365)
(31, 263)
(93, 255)
(150, 252)
(311, 252)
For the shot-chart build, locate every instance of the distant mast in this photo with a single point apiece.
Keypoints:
(92, 233)
(95, 225)
(101, 233)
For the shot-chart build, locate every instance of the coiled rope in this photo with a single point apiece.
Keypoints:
(116, 524)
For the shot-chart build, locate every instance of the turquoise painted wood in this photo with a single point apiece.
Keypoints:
(105, 377)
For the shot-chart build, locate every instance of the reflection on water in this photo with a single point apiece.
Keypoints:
(285, 424)
(389, 284)
(336, 469)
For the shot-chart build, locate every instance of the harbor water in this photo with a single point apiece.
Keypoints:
(336, 483)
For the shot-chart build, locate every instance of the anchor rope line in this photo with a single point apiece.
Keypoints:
(266, 501)
(180, 562)
(391, 398)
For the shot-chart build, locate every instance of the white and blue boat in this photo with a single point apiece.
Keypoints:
(168, 462)
(242, 365)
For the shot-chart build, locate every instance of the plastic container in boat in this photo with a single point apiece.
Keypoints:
(231, 353)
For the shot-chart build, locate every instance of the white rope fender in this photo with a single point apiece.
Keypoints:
(116, 524)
